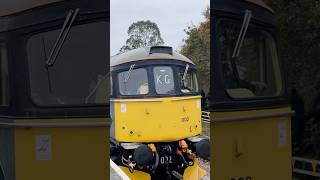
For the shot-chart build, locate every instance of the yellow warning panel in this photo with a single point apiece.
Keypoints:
(61, 153)
(145, 120)
(256, 148)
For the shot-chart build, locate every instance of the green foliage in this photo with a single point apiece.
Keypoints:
(142, 34)
(197, 47)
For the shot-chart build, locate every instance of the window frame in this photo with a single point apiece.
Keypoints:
(118, 81)
(174, 64)
(3, 48)
(52, 27)
(173, 71)
(194, 75)
(253, 26)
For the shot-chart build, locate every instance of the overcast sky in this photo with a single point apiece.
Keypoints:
(171, 16)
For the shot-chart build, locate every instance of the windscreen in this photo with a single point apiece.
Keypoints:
(164, 82)
(187, 81)
(157, 80)
(133, 82)
(255, 72)
(79, 75)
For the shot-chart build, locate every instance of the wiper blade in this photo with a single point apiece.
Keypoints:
(242, 34)
(129, 73)
(62, 37)
(185, 72)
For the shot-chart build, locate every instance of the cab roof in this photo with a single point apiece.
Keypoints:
(9, 7)
(148, 53)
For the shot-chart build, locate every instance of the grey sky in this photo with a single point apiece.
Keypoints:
(171, 16)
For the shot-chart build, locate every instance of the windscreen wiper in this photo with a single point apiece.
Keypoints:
(62, 37)
(185, 72)
(242, 34)
(129, 73)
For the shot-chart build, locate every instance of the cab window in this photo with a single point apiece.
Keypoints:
(133, 82)
(79, 75)
(188, 84)
(4, 78)
(255, 73)
(164, 81)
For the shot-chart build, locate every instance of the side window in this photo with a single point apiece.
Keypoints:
(133, 82)
(190, 83)
(4, 78)
(255, 73)
(163, 78)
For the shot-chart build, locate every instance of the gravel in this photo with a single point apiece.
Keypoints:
(206, 166)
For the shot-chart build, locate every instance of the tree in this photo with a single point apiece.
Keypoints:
(197, 47)
(142, 34)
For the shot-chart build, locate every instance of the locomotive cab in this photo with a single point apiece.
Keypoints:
(155, 95)
(156, 110)
(54, 87)
(250, 113)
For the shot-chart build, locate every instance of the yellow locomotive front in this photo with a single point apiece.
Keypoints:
(156, 111)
